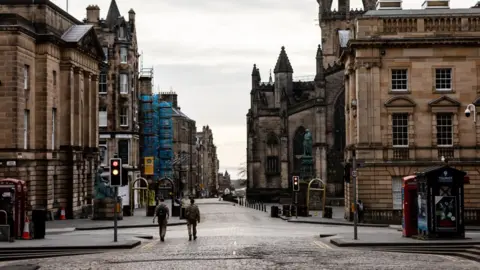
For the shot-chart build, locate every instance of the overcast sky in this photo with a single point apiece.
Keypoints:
(205, 51)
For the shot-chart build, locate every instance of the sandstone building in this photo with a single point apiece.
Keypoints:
(49, 103)
(208, 164)
(409, 75)
(185, 161)
(118, 87)
(224, 182)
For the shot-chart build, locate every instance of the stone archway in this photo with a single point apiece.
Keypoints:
(335, 155)
(298, 150)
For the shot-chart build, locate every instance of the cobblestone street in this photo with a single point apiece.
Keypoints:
(234, 237)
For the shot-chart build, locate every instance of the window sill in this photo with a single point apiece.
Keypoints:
(124, 93)
(102, 93)
(441, 91)
(124, 126)
(399, 92)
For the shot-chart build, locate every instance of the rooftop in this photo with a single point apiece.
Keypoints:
(437, 12)
(76, 32)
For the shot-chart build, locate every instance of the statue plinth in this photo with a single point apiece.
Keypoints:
(103, 209)
(307, 171)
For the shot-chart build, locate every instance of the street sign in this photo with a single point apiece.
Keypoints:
(296, 183)
(354, 173)
(115, 178)
(149, 165)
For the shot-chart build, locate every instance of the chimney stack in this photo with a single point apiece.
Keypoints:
(131, 15)
(93, 14)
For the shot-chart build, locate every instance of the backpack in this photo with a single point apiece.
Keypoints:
(191, 213)
(162, 212)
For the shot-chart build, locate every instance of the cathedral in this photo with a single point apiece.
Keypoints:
(282, 110)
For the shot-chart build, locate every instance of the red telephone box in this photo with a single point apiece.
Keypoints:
(19, 200)
(410, 208)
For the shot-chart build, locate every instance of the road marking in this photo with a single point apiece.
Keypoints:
(322, 245)
(448, 257)
(149, 245)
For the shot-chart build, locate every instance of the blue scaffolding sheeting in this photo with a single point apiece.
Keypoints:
(158, 134)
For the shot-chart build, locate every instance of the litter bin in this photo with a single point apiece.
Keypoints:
(274, 211)
(176, 211)
(39, 219)
(286, 210)
(328, 213)
(151, 210)
(127, 211)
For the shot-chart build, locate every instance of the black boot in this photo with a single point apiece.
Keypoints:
(195, 237)
(162, 239)
(190, 238)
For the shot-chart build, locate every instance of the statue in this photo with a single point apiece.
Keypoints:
(102, 191)
(307, 143)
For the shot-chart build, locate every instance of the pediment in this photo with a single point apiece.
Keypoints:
(84, 38)
(400, 101)
(90, 43)
(444, 101)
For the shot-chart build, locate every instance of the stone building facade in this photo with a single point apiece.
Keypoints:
(118, 87)
(49, 103)
(184, 142)
(208, 164)
(281, 111)
(409, 76)
(224, 182)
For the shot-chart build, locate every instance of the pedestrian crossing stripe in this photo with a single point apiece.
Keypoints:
(322, 245)
(149, 245)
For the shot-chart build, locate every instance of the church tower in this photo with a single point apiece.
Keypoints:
(335, 23)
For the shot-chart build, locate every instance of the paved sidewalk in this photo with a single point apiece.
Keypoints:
(139, 220)
(70, 241)
(394, 239)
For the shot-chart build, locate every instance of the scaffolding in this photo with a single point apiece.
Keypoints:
(157, 134)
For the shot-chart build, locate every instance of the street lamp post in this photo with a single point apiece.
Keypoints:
(471, 109)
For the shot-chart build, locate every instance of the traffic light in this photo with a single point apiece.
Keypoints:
(296, 184)
(115, 172)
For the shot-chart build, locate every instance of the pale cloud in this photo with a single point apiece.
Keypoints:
(205, 50)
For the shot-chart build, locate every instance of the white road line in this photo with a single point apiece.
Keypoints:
(149, 245)
(322, 245)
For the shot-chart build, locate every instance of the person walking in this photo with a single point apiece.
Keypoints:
(162, 214)
(192, 214)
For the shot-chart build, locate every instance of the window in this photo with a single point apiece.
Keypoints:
(102, 117)
(54, 116)
(26, 77)
(121, 32)
(443, 79)
(123, 55)
(400, 129)
(105, 51)
(272, 166)
(123, 84)
(26, 128)
(54, 74)
(399, 79)
(397, 192)
(102, 83)
(124, 116)
(444, 129)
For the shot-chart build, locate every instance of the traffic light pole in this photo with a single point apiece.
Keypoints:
(355, 213)
(115, 217)
(296, 204)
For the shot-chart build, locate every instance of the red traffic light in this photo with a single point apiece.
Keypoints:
(115, 163)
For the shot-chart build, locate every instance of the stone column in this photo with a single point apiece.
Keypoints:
(76, 101)
(363, 121)
(65, 106)
(87, 110)
(94, 109)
